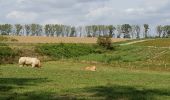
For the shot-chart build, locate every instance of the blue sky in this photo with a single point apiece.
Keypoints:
(85, 12)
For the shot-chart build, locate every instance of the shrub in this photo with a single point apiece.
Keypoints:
(65, 50)
(14, 40)
(105, 41)
(7, 55)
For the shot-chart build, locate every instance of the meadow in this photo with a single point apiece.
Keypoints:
(139, 71)
(61, 80)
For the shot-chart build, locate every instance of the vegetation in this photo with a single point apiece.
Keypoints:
(163, 31)
(126, 28)
(146, 27)
(141, 69)
(68, 80)
(66, 50)
(7, 39)
(7, 55)
(105, 42)
(58, 30)
(5, 29)
(165, 42)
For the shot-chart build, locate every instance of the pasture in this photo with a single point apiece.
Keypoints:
(61, 80)
(135, 71)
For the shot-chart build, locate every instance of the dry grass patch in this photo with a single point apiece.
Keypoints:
(42, 39)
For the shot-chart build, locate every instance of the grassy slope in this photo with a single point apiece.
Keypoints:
(67, 80)
(137, 56)
(156, 42)
(134, 57)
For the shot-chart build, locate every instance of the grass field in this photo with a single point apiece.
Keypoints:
(68, 81)
(137, 71)
(165, 42)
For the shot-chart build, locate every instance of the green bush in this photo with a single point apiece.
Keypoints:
(7, 55)
(14, 40)
(65, 50)
(105, 41)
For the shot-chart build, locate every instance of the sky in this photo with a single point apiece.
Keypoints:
(85, 12)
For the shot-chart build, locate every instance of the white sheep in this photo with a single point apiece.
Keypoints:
(34, 62)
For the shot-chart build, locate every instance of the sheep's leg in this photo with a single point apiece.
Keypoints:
(21, 65)
(33, 65)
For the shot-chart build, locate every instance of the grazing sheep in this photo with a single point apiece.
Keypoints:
(34, 62)
(92, 68)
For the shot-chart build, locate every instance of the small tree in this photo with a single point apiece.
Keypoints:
(105, 41)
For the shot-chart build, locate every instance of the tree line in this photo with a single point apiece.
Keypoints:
(59, 30)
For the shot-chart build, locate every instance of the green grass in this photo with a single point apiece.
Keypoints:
(68, 81)
(129, 56)
(61, 50)
(130, 72)
(165, 42)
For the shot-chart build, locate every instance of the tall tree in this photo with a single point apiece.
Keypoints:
(58, 29)
(146, 28)
(159, 30)
(80, 30)
(111, 30)
(166, 31)
(6, 29)
(119, 31)
(88, 31)
(27, 29)
(126, 28)
(36, 29)
(68, 31)
(137, 28)
(133, 32)
(18, 28)
(47, 29)
(52, 29)
(73, 31)
(94, 30)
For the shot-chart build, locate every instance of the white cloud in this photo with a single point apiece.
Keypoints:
(100, 12)
(52, 21)
(22, 16)
(167, 20)
(134, 10)
(20, 1)
(85, 11)
(141, 11)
